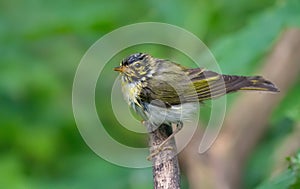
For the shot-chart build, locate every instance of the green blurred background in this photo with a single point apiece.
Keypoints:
(41, 44)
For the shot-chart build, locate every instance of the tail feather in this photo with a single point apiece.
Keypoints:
(253, 83)
(210, 84)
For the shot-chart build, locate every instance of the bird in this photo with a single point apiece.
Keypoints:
(166, 92)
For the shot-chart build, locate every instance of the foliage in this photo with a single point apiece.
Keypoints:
(289, 179)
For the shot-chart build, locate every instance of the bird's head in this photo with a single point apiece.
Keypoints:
(135, 67)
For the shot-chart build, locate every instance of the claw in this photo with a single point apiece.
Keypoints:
(161, 146)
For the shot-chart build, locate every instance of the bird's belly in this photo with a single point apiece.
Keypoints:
(174, 114)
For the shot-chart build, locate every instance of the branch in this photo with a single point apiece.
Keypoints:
(166, 172)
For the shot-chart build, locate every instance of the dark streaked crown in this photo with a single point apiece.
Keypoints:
(133, 58)
(136, 67)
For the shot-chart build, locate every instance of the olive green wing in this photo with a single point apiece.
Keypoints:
(176, 85)
(207, 84)
(169, 85)
(166, 91)
(173, 84)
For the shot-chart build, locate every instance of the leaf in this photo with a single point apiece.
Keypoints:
(283, 181)
(289, 179)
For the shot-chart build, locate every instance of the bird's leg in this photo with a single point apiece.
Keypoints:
(161, 147)
(178, 128)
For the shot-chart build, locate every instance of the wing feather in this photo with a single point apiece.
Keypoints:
(173, 84)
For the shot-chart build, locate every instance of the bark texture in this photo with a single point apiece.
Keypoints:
(166, 173)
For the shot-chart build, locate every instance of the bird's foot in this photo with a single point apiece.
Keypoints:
(161, 147)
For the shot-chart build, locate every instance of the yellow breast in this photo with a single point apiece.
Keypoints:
(131, 92)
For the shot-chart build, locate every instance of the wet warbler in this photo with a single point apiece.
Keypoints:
(165, 92)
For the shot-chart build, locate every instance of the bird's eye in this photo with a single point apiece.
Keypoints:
(137, 65)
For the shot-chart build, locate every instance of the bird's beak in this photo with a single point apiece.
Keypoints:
(120, 69)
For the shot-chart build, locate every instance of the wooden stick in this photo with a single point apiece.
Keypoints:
(166, 173)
